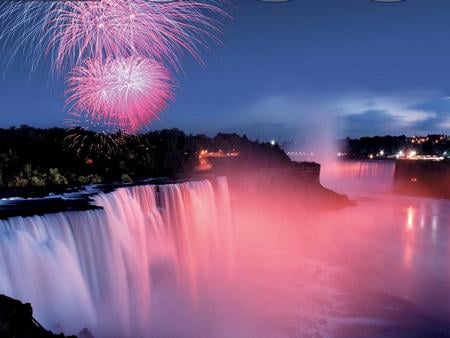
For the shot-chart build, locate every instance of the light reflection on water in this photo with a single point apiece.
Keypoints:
(400, 257)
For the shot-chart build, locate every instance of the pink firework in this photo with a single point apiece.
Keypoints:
(123, 94)
(72, 31)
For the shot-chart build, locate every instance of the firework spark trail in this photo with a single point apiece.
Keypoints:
(88, 144)
(122, 94)
(70, 32)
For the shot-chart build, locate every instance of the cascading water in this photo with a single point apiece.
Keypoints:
(358, 177)
(97, 268)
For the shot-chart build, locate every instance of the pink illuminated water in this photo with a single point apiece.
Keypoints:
(395, 251)
(358, 176)
(191, 260)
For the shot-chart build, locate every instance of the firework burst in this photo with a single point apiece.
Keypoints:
(120, 94)
(71, 31)
(117, 48)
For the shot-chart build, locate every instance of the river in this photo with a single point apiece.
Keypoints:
(183, 260)
(396, 251)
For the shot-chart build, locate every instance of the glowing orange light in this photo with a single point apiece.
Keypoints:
(203, 155)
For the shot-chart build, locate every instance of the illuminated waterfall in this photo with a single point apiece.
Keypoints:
(358, 176)
(95, 269)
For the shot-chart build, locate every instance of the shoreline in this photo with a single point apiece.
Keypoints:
(305, 176)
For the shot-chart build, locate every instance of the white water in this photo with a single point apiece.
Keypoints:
(96, 269)
(358, 176)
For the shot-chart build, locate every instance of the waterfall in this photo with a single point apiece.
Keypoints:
(358, 176)
(97, 268)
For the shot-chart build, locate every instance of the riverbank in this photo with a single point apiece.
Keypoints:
(423, 178)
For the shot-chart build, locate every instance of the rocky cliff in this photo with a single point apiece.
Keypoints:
(16, 321)
(298, 184)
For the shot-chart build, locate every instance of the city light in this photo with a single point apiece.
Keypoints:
(400, 154)
(412, 154)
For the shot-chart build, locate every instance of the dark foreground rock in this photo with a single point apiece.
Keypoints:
(85, 333)
(16, 321)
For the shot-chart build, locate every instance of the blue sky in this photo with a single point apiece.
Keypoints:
(294, 70)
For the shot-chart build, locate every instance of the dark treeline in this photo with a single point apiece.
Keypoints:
(390, 145)
(31, 157)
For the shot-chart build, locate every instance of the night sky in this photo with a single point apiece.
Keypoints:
(290, 71)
